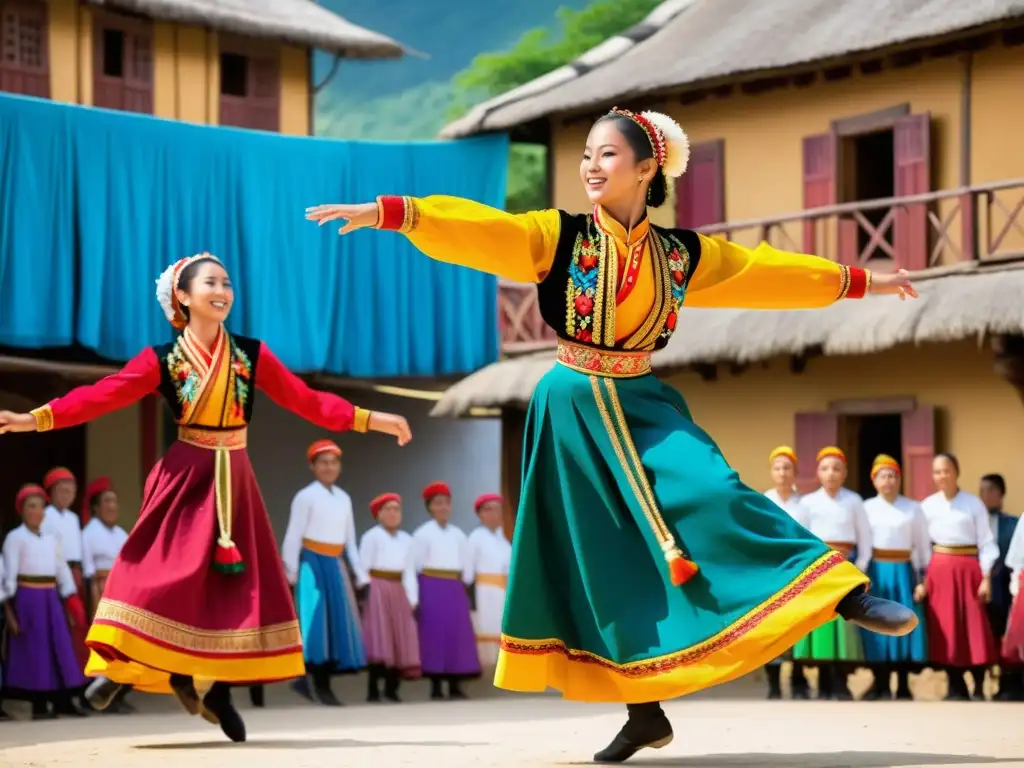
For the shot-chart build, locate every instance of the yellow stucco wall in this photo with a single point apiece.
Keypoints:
(112, 450)
(980, 417)
(763, 134)
(186, 69)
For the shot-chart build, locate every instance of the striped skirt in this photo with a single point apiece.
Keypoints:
(389, 626)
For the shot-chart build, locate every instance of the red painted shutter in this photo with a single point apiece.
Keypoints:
(264, 94)
(918, 427)
(138, 71)
(813, 431)
(912, 167)
(24, 59)
(700, 192)
(132, 89)
(820, 158)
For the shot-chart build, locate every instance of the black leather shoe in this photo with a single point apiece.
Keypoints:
(217, 701)
(101, 692)
(876, 614)
(185, 691)
(641, 731)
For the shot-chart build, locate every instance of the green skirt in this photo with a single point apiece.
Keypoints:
(590, 609)
(836, 641)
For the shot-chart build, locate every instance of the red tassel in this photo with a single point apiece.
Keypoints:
(681, 570)
(228, 559)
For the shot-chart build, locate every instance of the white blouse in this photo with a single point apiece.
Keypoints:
(383, 551)
(792, 506)
(100, 546)
(900, 525)
(325, 516)
(489, 551)
(66, 527)
(35, 554)
(841, 520)
(961, 522)
(442, 549)
(1015, 558)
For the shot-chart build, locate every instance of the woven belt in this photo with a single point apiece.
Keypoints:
(101, 573)
(493, 579)
(437, 573)
(224, 439)
(891, 555)
(940, 549)
(321, 548)
(37, 582)
(845, 548)
(603, 362)
(386, 575)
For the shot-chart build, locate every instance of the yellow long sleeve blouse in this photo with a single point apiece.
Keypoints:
(524, 247)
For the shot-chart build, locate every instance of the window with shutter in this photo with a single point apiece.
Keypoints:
(819, 183)
(250, 87)
(700, 192)
(123, 63)
(24, 58)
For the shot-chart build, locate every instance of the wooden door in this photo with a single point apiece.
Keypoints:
(700, 192)
(918, 431)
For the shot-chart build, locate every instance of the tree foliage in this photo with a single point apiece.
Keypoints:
(536, 53)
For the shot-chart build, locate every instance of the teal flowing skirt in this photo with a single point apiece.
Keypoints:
(591, 610)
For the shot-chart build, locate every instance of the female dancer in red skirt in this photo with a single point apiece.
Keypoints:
(957, 582)
(198, 591)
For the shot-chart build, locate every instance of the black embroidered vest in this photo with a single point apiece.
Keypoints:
(577, 298)
(179, 380)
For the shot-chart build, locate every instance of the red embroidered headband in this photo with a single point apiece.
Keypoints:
(668, 140)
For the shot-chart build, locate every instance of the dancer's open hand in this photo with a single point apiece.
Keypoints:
(16, 422)
(390, 424)
(896, 283)
(359, 216)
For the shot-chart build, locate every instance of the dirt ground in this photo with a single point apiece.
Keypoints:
(729, 726)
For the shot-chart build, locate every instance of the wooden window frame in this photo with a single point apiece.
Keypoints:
(879, 120)
(14, 75)
(251, 111)
(131, 91)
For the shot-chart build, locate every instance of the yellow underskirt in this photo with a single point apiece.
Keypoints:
(145, 673)
(595, 679)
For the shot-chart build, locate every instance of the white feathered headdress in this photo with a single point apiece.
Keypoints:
(168, 282)
(668, 140)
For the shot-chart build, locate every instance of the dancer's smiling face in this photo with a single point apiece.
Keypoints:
(205, 291)
(618, 162)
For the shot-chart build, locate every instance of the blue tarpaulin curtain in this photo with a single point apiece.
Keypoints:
(105, 201)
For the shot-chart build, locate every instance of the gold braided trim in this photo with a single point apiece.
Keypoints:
(438, 573)
(361, 420)
(844, 282)
(320, 548)
(891, 555)
(376, 573)
(44, 418)
(493, 579)
(659, 665)
(600, 362)
(213, 439)
(269, 639)
(968, 551)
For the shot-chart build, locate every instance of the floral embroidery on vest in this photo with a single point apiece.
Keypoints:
(581, 291)
(185, 378)
(679, 269)
(241, 375)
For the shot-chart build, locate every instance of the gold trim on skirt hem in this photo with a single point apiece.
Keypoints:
(760, 636)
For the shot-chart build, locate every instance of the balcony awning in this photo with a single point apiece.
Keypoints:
(956, 303)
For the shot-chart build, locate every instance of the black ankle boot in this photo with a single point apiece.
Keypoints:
(436, 691)
(322, 686)
(373, 685)
(646, 727)
(218, 702)
(876, 614)
(903, 686)
(256, 696)
(391, 683)
(101, 693)
(185, 690)
(957, 685)
(774, 672)
(455, 689)
(798, 682)
(879, 689)
(978, 675)
(826, 682)
(64, 705)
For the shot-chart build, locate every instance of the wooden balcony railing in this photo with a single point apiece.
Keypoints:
(983, 222)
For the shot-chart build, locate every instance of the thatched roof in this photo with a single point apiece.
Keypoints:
(300, 22)
(697, 42)
(952, 307)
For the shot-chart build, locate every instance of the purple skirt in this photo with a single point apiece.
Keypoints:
(447, 638)
(41, 658)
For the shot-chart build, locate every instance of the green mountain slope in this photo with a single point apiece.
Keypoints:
(408, 99)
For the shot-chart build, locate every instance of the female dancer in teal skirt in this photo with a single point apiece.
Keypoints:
(643, 569)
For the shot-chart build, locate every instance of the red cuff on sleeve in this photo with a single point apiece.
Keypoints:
(390, 212)
(858, 283)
